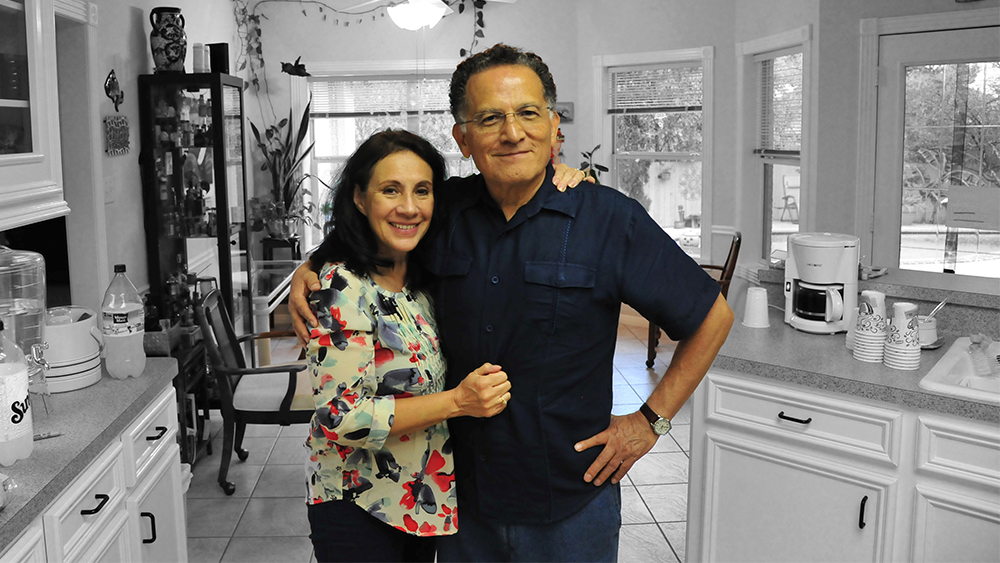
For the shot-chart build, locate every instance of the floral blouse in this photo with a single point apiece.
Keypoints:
(373, 345)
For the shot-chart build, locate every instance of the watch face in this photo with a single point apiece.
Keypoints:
(661, 426)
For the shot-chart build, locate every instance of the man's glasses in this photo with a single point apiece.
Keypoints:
(492, 121)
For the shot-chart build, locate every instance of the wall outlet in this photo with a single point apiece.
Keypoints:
(92, 13)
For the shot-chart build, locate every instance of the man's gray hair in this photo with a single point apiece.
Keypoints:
(497, 55)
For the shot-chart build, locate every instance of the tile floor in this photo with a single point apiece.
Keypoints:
(265, 519)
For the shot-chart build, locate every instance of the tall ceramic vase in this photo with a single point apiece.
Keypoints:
(168, 39)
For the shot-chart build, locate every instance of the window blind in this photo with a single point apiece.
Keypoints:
(780, 103)
(654, 89)
(352, 97)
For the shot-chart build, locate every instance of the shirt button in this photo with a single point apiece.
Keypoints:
(495, 279)
(489, 328)
(482, 458)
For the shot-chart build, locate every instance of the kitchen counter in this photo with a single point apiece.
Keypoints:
(89, 419)
(822, 361)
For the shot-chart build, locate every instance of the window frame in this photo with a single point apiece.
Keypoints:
(871, 31)
(750, 190)
(299, 95)
(604, 128)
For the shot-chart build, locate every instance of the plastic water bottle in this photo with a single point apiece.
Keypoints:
(16, 434)
(123, 319)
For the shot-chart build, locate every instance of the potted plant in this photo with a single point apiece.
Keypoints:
(282, 147)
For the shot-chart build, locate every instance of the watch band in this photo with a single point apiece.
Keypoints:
(647, 412)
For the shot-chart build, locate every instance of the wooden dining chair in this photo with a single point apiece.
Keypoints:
(723, 274)
(277, 394)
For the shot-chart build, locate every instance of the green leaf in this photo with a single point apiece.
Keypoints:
(601, 168)
(282, 123)
(479, 33)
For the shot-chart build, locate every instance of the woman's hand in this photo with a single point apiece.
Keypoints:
(483, 393)
(304, 281)
(566, 177)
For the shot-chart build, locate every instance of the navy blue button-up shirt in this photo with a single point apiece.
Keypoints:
(540, 295)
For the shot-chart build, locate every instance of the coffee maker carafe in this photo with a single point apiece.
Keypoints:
(821, 281)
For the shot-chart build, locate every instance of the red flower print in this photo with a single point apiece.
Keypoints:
(382, 355)
(324, 340)
(427, 529)
(358, 339)
(404, 438)
(335, 313)
(326, 378)
(413, 359)
(436, 462)
(411, 524)
(330, 434)
(350, 397)
(414, 346)
(408, 501)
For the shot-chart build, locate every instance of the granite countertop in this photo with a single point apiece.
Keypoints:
(89, 419)
(823, 361)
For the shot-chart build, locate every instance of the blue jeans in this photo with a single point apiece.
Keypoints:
(591, 534)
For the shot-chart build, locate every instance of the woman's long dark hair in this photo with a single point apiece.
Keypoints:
(352, 240)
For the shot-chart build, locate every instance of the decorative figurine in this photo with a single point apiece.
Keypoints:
(113, 90)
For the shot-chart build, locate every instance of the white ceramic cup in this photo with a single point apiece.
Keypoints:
(755, 313)
(852, 325)
(928, 330)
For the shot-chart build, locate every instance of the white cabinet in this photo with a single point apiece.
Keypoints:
(29, 548)
(775, 504)
(126, 506)
(86, 508)
(785, 476)
(30, 163)
(957, 492)
(157, 509)
(782, 472)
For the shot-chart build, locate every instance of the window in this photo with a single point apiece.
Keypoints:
(779, 144)
(655, 113)
(937, 191)
(773, 156)
(346, 110)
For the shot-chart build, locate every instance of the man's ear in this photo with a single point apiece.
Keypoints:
(459, 135)
(555, 120)
(359, 201)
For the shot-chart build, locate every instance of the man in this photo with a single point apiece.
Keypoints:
(533, 280)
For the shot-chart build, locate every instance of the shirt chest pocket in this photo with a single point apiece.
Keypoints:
(554, 292)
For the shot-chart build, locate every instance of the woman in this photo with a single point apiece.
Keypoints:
(380, 471)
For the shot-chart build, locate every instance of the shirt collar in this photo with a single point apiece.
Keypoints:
(547, 197)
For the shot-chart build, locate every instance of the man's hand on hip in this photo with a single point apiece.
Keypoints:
(304, 281)
(627, 439)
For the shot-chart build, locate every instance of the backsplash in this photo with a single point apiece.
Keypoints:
(965, 314)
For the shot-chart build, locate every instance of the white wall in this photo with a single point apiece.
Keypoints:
(122, 44)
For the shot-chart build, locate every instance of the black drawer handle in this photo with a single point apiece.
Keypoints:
(104, 500)
(782, 416)
(861, 517)
(161, 429)
(152, 526)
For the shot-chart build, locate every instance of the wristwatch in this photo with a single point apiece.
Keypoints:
(659, 424)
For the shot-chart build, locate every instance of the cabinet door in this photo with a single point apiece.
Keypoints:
(29, 548)
(952, 527)
(30, 179)
(765, 503)
(114, 545)
(156, 510)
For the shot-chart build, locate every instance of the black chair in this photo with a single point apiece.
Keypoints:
(278, 394)
(723, 274)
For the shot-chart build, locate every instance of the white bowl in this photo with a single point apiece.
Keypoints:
(72, 334)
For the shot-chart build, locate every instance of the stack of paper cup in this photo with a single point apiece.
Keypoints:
(902, 342)
(870, 330)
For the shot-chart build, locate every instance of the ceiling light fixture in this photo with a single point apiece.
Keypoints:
(414, 14)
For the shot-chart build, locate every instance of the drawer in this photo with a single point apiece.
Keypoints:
(83, 510)
(962, 450)
(115, 544)
(809, 417)
(151, 431)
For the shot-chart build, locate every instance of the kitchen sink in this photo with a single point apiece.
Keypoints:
(955, 375)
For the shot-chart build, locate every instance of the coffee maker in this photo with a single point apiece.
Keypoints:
(821, 281)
